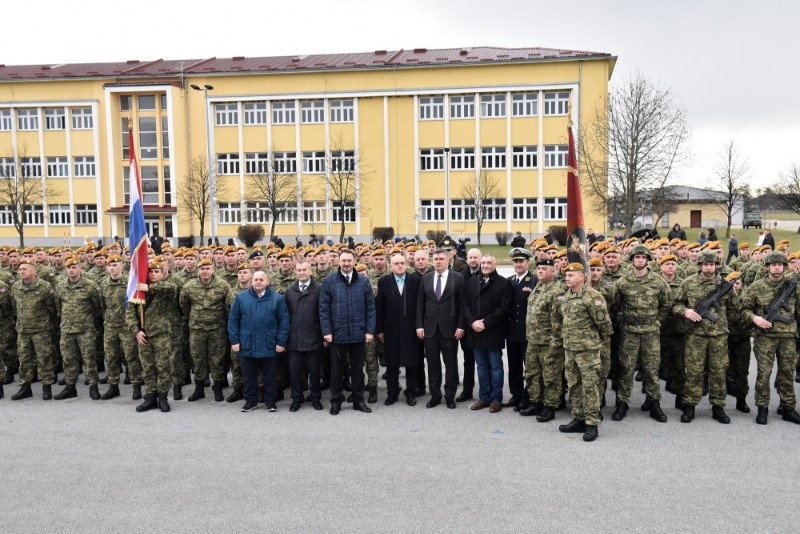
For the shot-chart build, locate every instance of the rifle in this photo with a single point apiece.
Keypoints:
(706, 307)
(772, 312)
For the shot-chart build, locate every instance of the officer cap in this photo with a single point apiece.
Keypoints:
(447, 243)
(775, 257)
(256, 254)
(668, 257)
(519, 253)
(640, 250)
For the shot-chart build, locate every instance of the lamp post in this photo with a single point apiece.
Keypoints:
(447, 190)
(212, 184)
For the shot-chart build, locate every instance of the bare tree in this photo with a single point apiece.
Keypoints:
(786, 192)
(631, 143)
(480, 195)
(344, 179)
(730, 183)
(662, 201)
(276, 188)
(196, 192)
(21, 188)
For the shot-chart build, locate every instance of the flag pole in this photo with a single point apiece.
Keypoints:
(577, 251)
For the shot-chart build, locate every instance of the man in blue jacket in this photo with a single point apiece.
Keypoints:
(347, 317)
(258, 327)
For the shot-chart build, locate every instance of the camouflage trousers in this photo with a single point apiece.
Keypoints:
(237, 379)
(631, 347)
(699, 351)
(543, 371)
(177, 366)
(77, 348)
(8, 350)
(739, 349)
(119, 344)
(673, 358)
(371, 358)
(766, 349)
(605, 366)
(583, 370)
(155, 358)
(208, 350)
(35, 349)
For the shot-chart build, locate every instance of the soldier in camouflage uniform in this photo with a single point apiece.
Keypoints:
(739, 349)
(374, 350)
(245, 276)
(206, 302)
(643, 299)
(581, 326)
(773, 339)
(35, 305)
(7, 320)
(189, 272)
(751, 269)
(707, 341)
(228, 272)
(178, 368)
(323, 267)
(744, 255)
(606, 288)
(285, 276)
(673, 336)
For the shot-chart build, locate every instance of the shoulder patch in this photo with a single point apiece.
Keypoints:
(598, 302)
(2, 290)
(560, 297)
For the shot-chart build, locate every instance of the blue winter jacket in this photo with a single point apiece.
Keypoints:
(258, 325)
(347, 310)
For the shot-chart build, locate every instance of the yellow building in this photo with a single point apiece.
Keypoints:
(404, 124)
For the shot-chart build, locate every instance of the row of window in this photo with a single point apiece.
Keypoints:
(283, 112)
(522, 209)
(54, 119)
(149, 134)
(493, 157)
(143, 102)
(148, 176)
(493, 105)
(313, 211)
(314, 162)
(56, 166)
(58, 214)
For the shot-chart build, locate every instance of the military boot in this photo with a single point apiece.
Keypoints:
(789, 414)
(761, 418)
(237, 395)
(373, 395)
(591, 433)
(127, 379)
(94, 392)
(23, 393)
(621, 411)
(548, 414)
(69, 392)
(9, 378)
(199, 391)
(217, 389)
(718, 413)
(647, 404)
(163, 404)
(679, 404)
(177, 392)
(534, 408)
(148, 404)
(111, 392)
(688, 414)
(741, 405)
(187, 378)
(47, 392)
(657, 413)
(576, 425)
(137, 392)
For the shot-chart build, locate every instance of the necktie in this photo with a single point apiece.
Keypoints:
(400, 285)
(347, 278)
(439, 287)
(302, 288)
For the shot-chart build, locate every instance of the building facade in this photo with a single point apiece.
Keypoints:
(411, 132)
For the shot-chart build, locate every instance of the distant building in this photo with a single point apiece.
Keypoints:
(694, 208)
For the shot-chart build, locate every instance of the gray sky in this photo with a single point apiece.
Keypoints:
(732, 64)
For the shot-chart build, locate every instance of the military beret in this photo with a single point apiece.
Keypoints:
(519, 253)
(4, 248)
(29, 250)
(663, 242)
(595, 262)
(150, 251)
(380, 251)
(674, 241)
(743, 246)
(241, 247)
(56, 250)
(396, 250)
(167, 250)
(179, 253)
(271, 244)
(562, 253)
(551, 247)
(190, 254)
(412, 248)
(713, 245)
(359, 244)
(546, 262)
(680, 245)
(783, 242)
(113, 259)
(692, 246)
(230, 249)
(765, 248)
(668, 257)
(611, 250)
(244, 266)
(574, 267)
(256, 254)
(735, 275)
(160, 258)
(102, 253)
(204, 248)
(286, 253)
(72, 261)
(14, 250)
(601, 246)
(360, 268)
(90, 248)
(154, 265)
(27, 262)
(204, 262)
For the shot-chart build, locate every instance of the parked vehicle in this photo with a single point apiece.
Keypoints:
(751, 219)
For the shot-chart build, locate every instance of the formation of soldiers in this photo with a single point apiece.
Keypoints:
(653, 311)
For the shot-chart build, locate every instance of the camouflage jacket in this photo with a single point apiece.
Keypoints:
(8, 318)
(112, 301)
(373, 276)
(35, 305)
(160, 301)
(758, 296)
(280, 282)
(642, 302)
(580, 321)
(206, 305)
(540, 307)
(319, 276)
(78, 304)
(672, 325)
(696, 288)
(230, 278)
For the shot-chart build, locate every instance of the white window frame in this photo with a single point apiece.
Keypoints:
(55, 119)
(349, 211)
(312, 111)
(27, 119)
(462, 159)
(228, 164)
(164, 137)
(84, 166)
(256, 163)
(431, 108)
(462, 107)
(86, 214)
(555, 156)
(257, 212)
(493, 105)
(148, 152)
(30, 167)
(229, 213)
(315, 211)
(524, 157)
(555, 209)
(524, 209)
(255, 113)
(57, 167)
(343, 161)
(314, 162)
(6, 216)
(226, 114)
(284, 162)
(59, 214)
(496, 209)
(5, 120)
(556, 103)
(462, 209)
(493, 157)
(283, 112)
(8, 168)
(34, 215)
(82, 119)
(342, 110)
(431, 159)
(524, 104)
(432, 210)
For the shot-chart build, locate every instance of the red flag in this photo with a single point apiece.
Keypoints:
(576, 230)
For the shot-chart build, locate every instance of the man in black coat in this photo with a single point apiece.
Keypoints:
(395, 326)
(305, 336)
(440, 324)
(522, 283)
(473, 269)
(485, 310)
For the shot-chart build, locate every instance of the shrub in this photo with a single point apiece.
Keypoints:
(383, 233)
(503, 237)
(249, 234)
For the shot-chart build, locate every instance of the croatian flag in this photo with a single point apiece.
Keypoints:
(137, 233)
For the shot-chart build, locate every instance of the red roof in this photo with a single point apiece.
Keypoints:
(364, 60)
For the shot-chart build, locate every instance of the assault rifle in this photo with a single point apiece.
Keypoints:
(772, 312)
(707, 307)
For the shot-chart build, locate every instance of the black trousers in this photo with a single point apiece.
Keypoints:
(469, 368)
(448, 348)
(516, 363)
(339, 352)
(250, 369)
(393, 381)
(312, 359)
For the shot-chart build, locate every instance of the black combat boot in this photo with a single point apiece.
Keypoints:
(548, 414)
(94, 392)
(373, 395)
(237, 395)
(621, 411)
(534, 408)
(23, 393)
(647, 404)
(137, 392)
(741, 405)
(111, 392)
(576, 425)
(718, 413)
(679, 404)
(47, 392)
(177, 392)
(688, 414)
(761, 418)
(591, 433)
(148, 404)
(69, 392)
(199, 391)
(9, 378)
(163, 404)
(657, 413)
(127, 380)
(187, 378)
(2, 393)
(789, 414)
(217, 389)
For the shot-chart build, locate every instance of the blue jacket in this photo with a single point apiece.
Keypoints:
(347, 310)
(258, 325)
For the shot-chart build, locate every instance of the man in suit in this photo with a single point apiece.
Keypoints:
(473, 269)
(440, 324)
(395, 325)
(522, 283)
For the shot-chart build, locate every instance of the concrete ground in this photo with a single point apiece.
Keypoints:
(98, 466)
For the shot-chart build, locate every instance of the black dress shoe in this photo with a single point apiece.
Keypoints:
(433, 403)
(513, 401)
(534, 408)
(718, 413)
(741, 405)
(317, 405)
(620, 413)
(591, 433)
(657, 413)
(389, 401)
(574, 426)
(761, 418)
(688, 414)
(411, 401)
(465, 396)
(548, 414)
(295, 406)
(361, 407)
(450, 403)
(335, 408)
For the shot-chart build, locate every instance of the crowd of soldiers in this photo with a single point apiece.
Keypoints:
(658, 310)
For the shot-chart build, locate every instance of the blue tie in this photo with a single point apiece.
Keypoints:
(439, 288)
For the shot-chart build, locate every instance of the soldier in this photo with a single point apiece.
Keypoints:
(374, 350)
(739, 348)
(285, 275)
(245, 276)
(773, 338)
(256, 260)
(673, 337)
(323, 267)
(7, 320)
(228, 272)
(606, 288)
(643, 299)
(522, 283)
(744, 255)
(581, 326)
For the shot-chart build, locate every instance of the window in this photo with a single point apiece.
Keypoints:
(229, 213)
(431, 108)
(125, 140)
(55, 119)
(8, 168)
(283, 113)
(6, 216)
(555, 209)
(524, 209)
(163, 99)
(255, 113)
(524, 157)
(432, 210)
(315, 211)
(5, 120)
(227, 163)
(28, 119)
(147, 102)
(57, 167)
(493, 105)
(164, 138)
(34, 215)
(493, 157)
(665, 220)
(60, 214)
(257, 212)
(167, 185)
(341, 111)
(555, 156)
(227, 114)
(349, 212)
(30, 167)
(494, 209)
(524, 104)
(462, 209)
(82, 119)
(284, 162)
(314, 162)
(343, 161)
(85, 214)
(256, 163)
(556, 102)
(125, 102)
(462, 159)
(148, 138)
(462, 107)
(431, 159)
(312, 111)
(149, 176)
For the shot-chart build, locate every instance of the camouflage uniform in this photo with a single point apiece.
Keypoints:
(7, 320)
(580, 326)
(181, 278)
(118, 342)
(79, 306)
(177, 362)
(673, 347)
(206, 306)
(319, 276)
(739, 349)
(543, 365)
(230, 277)
(374, 350)
(35, 305)
(606, 290)
(280, 282)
